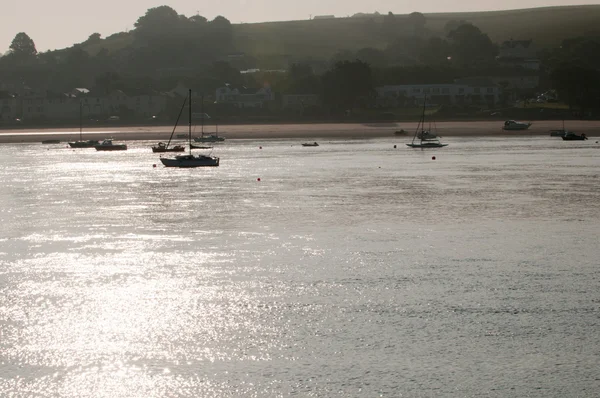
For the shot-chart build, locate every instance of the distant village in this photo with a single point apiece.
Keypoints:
(21, 103)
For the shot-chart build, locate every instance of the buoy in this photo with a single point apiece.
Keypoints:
(258, 179)
(259, 147)
(433, 158)
(394, 146)
(153, 165)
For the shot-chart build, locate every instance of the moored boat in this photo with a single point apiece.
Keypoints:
(569, 136)
(310, 144)
(189, 160)
(107, 145)
(514, 125)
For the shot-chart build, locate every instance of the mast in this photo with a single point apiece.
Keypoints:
(202, 114)
(190, 121)
(80, 120)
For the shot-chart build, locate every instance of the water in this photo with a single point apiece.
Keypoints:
(352, 269)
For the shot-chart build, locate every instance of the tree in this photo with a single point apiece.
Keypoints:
(372, 56)
(389, 24)
(346, 83)
(23, 45)
(417, 21)
(94, 38)
(157, 22)
(435, 51)
(470, 46)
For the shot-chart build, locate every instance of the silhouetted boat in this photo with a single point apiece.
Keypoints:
(81, 143)
(107, 145)
(425, 138)
(310, 144)
(190, 161)
(162, 147)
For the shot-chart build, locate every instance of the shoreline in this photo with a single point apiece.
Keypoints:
(298, 131)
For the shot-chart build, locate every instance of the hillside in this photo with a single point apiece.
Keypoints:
(322, 38)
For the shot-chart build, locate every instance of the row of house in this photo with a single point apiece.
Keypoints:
(478, 91)
(67, 106)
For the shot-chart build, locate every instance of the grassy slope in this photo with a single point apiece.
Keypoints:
(323, 38)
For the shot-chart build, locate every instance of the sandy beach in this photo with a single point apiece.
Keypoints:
(298, 131)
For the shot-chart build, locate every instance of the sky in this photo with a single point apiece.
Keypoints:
(61, 23)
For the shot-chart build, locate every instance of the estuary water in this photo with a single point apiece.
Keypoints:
(352, 269)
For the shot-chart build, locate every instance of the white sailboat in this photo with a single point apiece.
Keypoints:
(425, 138)
(190, 161)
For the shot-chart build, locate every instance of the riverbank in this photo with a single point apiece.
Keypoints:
(299, 131)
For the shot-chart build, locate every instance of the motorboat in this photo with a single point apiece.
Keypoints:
(162, 147)
(514, 125)
(310, 144)
(107, 145)
(569, 136)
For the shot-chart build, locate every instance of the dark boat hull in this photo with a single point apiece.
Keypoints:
(574, 138)
(190, 161)
(111, 148)
(84, 144)
(177, 148)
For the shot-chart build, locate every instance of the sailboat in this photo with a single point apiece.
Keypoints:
(188, 161)
(162, 147)
(81, 143)
(425, 138)
(209, 137)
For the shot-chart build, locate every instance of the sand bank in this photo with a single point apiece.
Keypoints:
(298, 131)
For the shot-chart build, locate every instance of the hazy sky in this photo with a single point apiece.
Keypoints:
(56, 24)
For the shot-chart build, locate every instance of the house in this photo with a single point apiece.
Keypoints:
(244, 97)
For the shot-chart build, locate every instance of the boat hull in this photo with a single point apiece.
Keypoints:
(122, 147)
(427, 145)
(574, 137)
(176, 148)
(209, 139)
(190, 161)
(84, 144)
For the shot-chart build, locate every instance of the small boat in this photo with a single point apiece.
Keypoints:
(425, 138)
(558, 133)
(162, 147)
(569, 136)
(51, 142)
(107, 145)
(200, 146)
(514, 125)
(400, 132)
(207, 137)
(81, 143)
(190, 161)
(310, 144)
